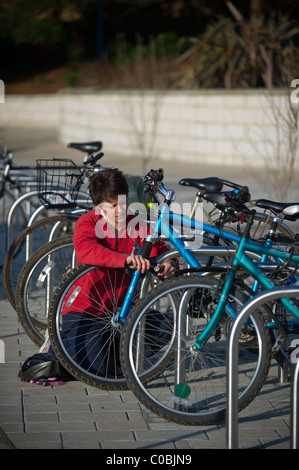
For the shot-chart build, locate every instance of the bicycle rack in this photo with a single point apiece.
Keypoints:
(232, 367)
(20, 201)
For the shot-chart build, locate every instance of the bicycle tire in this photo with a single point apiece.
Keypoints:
(12, 266)
(261, 227)
(77, 367)
(259, 232)
(37, 281)
(179, 401)
(58, 343)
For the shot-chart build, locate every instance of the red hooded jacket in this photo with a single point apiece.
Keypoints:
(101, 291)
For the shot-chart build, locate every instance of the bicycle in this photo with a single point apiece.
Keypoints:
(55, 199)
(201, 185)
(26, 296)
(192, 388)
(74, 283)
(29, 201)
(40, 276)
(14, 181)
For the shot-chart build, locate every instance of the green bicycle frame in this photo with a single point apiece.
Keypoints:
(242, 260)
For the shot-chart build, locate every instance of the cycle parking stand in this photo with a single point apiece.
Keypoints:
(26, 198)
(294, 403)
(232, 367)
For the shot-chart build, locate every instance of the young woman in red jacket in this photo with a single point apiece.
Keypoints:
(108, 237)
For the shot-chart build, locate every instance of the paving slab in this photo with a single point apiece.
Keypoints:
(78, 416)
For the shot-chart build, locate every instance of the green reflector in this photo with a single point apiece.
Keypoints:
(182, 390)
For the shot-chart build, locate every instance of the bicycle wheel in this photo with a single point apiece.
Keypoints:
(284, 335)
(32, 238)
(87, 344)
(262, 224)
(261, 227)
(37, 281)
(190, 390)
(283, 328)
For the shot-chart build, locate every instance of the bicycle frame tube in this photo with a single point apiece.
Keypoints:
(195, 224)
(241, 259)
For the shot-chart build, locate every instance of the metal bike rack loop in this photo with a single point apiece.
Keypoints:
(232, 366)
(23, 198)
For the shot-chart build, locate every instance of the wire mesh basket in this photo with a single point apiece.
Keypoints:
(58, 181)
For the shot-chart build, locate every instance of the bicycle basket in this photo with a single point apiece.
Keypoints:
(58, 182)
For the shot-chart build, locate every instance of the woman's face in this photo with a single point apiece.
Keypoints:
(116, 210)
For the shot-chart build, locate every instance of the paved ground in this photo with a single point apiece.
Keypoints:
(77, 416)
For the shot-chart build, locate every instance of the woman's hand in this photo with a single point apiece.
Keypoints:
(138, 262)
(142, 265)
(168, 269)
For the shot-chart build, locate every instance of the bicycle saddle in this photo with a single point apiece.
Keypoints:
(203, 184)
(87, 147)
(290, 210)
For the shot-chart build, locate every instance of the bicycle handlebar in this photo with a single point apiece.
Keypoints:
(154, 180)
(154, 176)
(91, 160)
(232, 185)
(241, 195)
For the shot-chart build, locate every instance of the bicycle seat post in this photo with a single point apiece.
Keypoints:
(274, 224)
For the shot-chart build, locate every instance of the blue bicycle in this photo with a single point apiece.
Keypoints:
(110, 327)
(195, 314)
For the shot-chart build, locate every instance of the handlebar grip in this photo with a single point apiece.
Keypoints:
(244, 190)
(146, 249)
(157, 175)
(93, 159)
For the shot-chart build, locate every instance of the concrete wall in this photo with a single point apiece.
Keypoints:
(31, 111)
(217, 127)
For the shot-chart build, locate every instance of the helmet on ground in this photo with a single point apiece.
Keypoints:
(40, 366)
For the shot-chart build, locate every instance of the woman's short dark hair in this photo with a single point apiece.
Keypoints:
(107, 185)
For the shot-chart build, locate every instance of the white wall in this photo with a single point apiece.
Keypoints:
(31, 111)
(217, 127)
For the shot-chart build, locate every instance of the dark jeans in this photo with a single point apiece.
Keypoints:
(91, 343)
